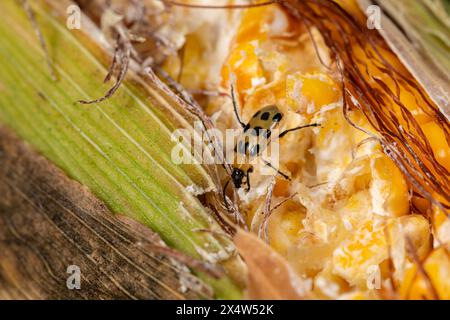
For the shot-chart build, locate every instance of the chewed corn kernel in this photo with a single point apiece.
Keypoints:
(284, 228)
(333, 145)
(365, 249)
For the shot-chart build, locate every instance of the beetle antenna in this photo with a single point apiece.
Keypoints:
(233, 98)
(298, 128)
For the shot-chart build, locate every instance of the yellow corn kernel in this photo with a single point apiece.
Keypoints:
(437, 267)
(414, 227)
(284, 228)
(406, 233)
(254, 24)
(244, 63)
(389, 188)
(417, 229)
(441, 222)
(188, 65)
(436, 137)
(439, 217)
(309, 92)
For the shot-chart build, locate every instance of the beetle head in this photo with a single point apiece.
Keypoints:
(237, 175)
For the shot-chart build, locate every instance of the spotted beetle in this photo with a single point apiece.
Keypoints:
(253, 140)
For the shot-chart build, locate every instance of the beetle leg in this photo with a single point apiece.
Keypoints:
(284, 175)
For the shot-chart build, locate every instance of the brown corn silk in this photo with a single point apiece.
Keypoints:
(359, 51)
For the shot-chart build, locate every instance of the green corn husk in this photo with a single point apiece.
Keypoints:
(120, 149)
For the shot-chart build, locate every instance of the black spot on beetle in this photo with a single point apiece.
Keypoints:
(265, 116)
(277, 117)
